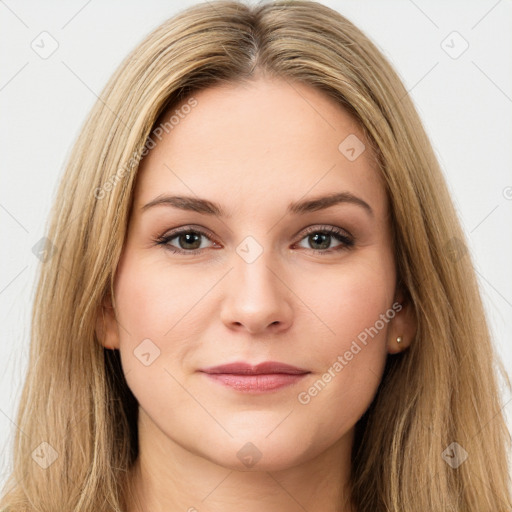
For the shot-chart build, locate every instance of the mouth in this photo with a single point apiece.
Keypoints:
(264, 377)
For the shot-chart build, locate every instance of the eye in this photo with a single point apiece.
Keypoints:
(188, 239)
(322, 236)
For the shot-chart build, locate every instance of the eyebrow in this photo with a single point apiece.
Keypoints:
(298, 208)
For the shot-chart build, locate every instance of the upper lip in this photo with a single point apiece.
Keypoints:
(241, 368)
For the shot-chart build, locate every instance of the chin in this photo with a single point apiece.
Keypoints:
(260, 454)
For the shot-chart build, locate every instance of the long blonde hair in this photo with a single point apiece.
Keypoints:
(442, 390)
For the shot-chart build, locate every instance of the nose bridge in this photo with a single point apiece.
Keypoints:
(257, 297)
(252, 268)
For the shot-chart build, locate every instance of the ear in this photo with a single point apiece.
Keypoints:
(107, 329)
(403, 325)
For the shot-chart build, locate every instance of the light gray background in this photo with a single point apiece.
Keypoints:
(465, 103)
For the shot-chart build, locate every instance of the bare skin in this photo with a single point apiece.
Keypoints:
(304, 299)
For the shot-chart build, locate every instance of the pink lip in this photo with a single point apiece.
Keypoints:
(266, 376)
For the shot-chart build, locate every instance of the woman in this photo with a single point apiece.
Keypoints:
(193, 348)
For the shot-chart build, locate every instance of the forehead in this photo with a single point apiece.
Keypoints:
(265, 143)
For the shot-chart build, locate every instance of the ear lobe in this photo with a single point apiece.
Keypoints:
(106, 325)
(403, 325)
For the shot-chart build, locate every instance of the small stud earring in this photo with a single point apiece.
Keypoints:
(399, 339)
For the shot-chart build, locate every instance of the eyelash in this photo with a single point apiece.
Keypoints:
(338, 234)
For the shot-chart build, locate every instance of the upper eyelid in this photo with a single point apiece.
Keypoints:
(325, 227)
(187, 229)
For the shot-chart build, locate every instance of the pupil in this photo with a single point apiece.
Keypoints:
(326, 245)
(188, 237)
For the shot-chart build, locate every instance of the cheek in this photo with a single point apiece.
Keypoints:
(141, 308)
(155, 331)
(152, 306)
(351, 299)
(152, 298)
(356, 306)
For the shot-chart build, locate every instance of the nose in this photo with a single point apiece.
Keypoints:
(258, 299)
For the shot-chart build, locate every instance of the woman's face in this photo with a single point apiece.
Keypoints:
(266, 279)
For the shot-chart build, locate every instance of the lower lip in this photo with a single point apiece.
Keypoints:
(256, 383)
